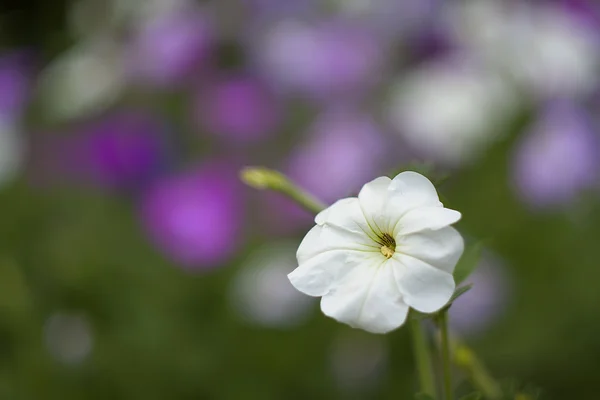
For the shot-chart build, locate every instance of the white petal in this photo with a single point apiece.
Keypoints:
(317, 275)
(425, 218)
(347, 215)
(424, 287)
(441, 248)
(331, 237)
(373, 198)
(413, 190)
(367, 298)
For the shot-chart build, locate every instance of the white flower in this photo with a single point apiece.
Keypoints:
(85, 80)
(373, 257)
(450, 109)
(546, 49)
(261, 292)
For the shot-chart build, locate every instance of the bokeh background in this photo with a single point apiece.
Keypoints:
(135, 265)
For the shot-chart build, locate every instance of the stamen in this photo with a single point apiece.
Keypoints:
(387, 252)
(388, 241)
(388, 245)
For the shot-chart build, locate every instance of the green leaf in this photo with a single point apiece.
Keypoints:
(472, 396)
(468, 262)
(424, 396)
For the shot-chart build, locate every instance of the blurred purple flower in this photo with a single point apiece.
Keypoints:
(121, 151)
(323, 60)
(587, 10)
(14, 84)
(476, 310)
(558, 158)
(196, 217)
(343, 151)
(171, 47)
(238, 108)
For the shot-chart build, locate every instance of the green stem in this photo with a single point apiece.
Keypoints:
(301, 197)
(264, 178)
(422, 354)
(467, 360)
(443, 326)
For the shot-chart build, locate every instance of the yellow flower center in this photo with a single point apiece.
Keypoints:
(388, 245)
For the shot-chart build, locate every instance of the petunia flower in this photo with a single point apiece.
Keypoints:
(374, 256)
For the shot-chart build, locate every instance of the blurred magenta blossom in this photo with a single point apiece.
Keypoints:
(171, 47)
(558, 157)
(322, 60)
(196, 217)
(588, 11)
(238, 108)
(127, 149)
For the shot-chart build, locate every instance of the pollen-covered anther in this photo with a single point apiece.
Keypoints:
(387, 252)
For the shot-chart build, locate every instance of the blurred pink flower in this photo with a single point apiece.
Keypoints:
(238, 108)
(123, 150)
(196, 217)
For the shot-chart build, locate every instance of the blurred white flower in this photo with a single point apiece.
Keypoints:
(450, 109)
(358, 361)
(261, 292)
(373, 257)
(85, 80)
(68, 337)
(547, 49)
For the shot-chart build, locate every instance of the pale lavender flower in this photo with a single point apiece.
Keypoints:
(262, 10)
(322, 60)
(15, 82)
(196, 217)
(476, 310)
(558, 157)
(343, 149)
(391, 18)
(238, 108)
(171, 47)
